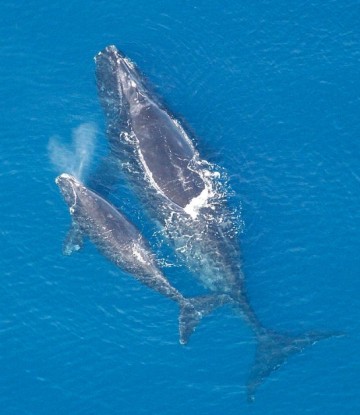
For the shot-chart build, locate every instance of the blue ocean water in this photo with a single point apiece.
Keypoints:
(271, 92)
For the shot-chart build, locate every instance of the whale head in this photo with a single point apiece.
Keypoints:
(119, 82)
(69, 187)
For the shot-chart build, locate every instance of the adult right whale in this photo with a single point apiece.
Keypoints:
(184, 194)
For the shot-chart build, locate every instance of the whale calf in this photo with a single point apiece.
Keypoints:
(183, 194)
(121, 242)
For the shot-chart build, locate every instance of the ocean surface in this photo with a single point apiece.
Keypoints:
(270, 91)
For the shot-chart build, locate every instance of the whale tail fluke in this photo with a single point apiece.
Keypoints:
(273, 349)
(192, 310)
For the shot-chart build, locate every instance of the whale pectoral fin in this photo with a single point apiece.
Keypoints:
(74, 239)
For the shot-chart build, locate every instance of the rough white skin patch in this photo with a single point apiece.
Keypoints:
(138, 255)
(65, 176)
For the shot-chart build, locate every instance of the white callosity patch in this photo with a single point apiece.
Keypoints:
(70, 179)
(138, 254)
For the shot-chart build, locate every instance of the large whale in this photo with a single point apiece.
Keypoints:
(121, 242)
(183, 193)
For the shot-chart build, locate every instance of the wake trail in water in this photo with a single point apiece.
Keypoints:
(74, 158)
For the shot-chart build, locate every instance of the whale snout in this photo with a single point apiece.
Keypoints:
(67, 185)
(64, 178)
(115, 72)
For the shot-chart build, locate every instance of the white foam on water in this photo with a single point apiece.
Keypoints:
(198, 202)
(207, 197)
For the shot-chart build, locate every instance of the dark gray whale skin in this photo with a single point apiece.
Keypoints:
(150, 147)
(121, 242)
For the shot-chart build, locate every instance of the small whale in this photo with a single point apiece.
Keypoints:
(121, 242)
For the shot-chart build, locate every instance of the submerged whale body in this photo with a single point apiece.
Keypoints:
(120, 241)
(184, 194)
